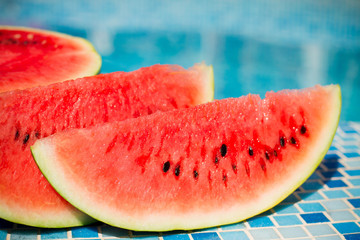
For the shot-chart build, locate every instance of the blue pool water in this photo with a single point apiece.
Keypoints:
(254, 47)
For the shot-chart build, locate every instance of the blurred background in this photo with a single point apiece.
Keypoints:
(254, 46)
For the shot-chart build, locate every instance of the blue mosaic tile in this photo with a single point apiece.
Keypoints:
(336, 204)
(355, 182)
(287, 220)
(234, 235)
(356, 211)
(320, 229)
(310, 196)
(336, 183)
(350, 147)
(144, 238)
(333, 194)
(332, 148)
(355, 236)
(205, 236)
(262, 221)
(292, 232)
(311, 207)
(338, 216)
(352, 154)
(331, 174)
(3, 234)
(353, 173)
(53, 233)
(85, 232)
(265, 233)
(347, 227)
(314, 217)
(355, 202)
(234, 226)
(355, 192)
(24, 234)
(332, 157)
(176, 237)
(285, 209)
(311, 185)
(329, 237)
(353, 164)
(332, 165)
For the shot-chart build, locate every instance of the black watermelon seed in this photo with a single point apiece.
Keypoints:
(224, 177)
(303, 129)
(177, 170)
(26, 138)
(251, 151)
(223, 150)
(196, 174)
(282, 141)
(275, 153)
(216, 161)
(234, 167)
(267, 155)
(166, 166)
(292, 140)
(17, 135)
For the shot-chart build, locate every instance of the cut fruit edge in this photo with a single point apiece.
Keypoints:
(44, 154)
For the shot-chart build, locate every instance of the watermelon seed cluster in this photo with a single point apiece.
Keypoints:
(223, 150)
(27, 39)
(27, 138)
(256, 151)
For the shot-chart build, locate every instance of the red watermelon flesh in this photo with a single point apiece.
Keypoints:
(212, 164)
(27, 115)
(33, 57)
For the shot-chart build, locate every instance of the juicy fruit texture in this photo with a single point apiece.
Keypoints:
(31, 114)
(33, 57)
(212, 164)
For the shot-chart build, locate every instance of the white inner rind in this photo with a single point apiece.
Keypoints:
(45, 156)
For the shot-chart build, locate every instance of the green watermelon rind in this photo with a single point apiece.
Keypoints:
(44, 152)
(69, 219)
(88, 48)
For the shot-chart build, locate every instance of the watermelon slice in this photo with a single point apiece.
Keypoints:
(33, 57)
(213, 164)
(30, 114)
